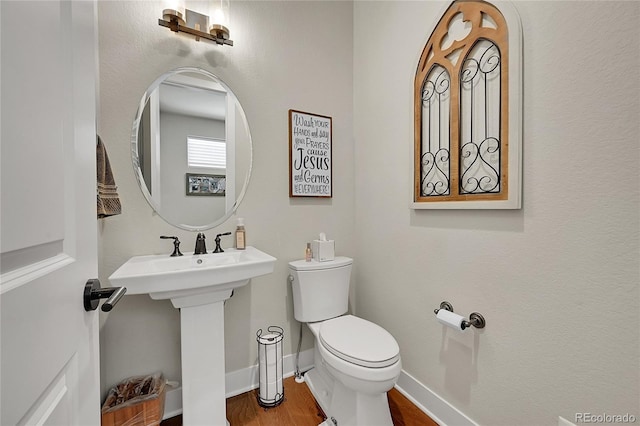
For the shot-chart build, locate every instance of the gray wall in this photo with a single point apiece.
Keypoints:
(287, 55)
(558, 280)
(177, 207)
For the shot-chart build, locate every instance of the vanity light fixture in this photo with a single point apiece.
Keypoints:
(178, 18)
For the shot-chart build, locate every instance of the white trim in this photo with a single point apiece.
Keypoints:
(14, 279)
(564, 422)
(50, 402)
(59, 396)
(172, 402)
(246, 379)
(231, 149)
(154, 149)
(240, 381)
(422, 397)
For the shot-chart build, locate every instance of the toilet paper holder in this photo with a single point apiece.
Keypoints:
(475, 319)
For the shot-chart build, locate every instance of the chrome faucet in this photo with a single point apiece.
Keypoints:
(201, 247)
(218, 249)
(176, 245)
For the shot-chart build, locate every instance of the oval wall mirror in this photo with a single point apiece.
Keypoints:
(191, 149)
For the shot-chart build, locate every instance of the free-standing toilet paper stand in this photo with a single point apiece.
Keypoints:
(270, 365)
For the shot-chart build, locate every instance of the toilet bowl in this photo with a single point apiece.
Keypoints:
(352, 393)
(355, 361)
(361, 354)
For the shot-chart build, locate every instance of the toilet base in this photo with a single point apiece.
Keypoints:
(346, 406)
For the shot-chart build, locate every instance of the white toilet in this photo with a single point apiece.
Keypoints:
(356, 361)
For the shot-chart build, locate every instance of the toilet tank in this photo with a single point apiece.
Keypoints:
(320, 289)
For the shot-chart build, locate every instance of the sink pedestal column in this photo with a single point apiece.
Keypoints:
(203, 367)
(198, 285)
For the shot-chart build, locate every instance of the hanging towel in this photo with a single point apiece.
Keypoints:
(108, 199)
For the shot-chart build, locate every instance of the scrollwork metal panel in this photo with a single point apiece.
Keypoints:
(480, 92)
(436, 100)
(462, 96)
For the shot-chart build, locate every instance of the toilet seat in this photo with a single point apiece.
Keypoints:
(359, 342)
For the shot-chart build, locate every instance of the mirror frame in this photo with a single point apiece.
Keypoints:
(135, 158)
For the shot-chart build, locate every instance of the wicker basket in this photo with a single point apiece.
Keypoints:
(137, 401)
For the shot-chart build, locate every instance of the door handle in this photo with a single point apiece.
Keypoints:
(93, 293)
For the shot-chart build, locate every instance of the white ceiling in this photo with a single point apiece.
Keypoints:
(192, 101)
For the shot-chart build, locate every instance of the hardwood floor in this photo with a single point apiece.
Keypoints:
(404, 413)
(299, 408)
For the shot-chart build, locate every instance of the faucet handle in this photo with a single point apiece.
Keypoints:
(176, 245)
(218, 248)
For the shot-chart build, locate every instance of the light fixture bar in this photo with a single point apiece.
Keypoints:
(177, 24)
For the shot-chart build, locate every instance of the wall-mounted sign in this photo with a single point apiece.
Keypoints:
(309, 155)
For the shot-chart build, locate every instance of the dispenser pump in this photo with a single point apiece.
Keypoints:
(240, 235)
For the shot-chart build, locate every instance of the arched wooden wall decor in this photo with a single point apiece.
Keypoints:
(468, 110)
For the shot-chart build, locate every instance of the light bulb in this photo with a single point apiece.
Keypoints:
(219, 18)
(174, 10)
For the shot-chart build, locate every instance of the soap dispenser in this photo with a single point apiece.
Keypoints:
(240, 235)
(308, 253)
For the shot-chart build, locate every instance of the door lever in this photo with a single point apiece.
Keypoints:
(93, 293)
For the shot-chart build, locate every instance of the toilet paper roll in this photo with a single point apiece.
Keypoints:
(268, 353)
(269, 391)
(269, 372)
(450, 319)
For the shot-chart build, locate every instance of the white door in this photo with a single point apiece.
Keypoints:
(48, 235)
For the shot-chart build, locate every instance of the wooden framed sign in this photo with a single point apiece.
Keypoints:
(310, 162)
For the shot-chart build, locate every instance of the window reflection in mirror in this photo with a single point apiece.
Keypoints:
(191, 124)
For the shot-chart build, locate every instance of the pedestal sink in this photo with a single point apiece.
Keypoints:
(198, 285)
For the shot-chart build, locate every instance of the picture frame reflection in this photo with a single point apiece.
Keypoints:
(199, 184)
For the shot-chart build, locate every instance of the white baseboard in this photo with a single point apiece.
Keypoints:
(431, 403)
(172, 402)
(239, 381)
(244, 380)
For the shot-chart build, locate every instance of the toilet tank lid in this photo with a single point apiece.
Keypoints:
(303, 265)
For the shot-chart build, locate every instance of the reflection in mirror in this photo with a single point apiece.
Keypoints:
(191, 149)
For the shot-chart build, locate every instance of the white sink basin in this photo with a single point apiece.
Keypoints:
(178, 278)
(198, 285)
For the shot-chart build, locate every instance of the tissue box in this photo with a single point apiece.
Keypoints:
(323, 250)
